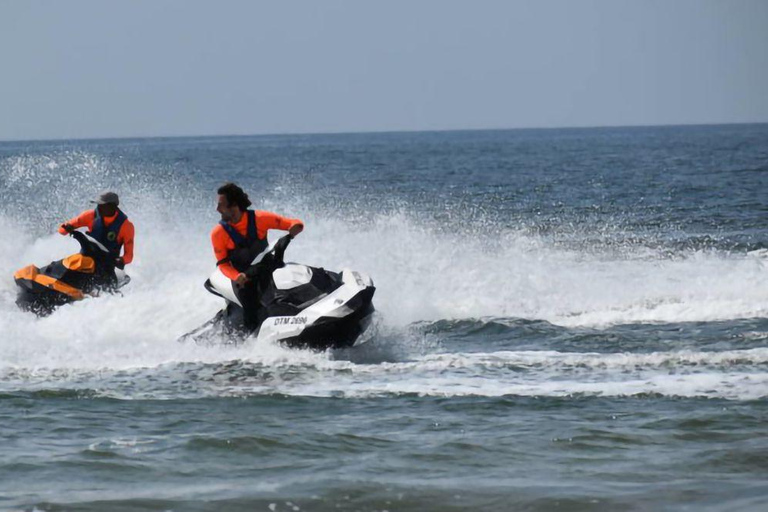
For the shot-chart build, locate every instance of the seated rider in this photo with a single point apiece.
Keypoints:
(108, 225)
(241, 235)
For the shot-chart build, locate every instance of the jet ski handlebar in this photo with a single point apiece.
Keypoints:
(272, 256)
(89, 246)
(280, 247)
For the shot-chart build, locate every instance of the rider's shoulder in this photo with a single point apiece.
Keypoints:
(218, 230)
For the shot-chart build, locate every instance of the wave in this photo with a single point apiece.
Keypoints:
(732, 375)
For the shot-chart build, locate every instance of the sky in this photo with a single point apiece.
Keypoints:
(142, 68)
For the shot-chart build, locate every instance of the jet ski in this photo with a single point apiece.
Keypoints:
(296, 305)
(87, 273)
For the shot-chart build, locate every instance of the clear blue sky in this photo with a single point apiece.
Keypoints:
(81, 69)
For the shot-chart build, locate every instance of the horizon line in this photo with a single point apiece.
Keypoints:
(373, 132)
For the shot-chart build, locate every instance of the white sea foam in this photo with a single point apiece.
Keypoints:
(428, 278)
(733, 375)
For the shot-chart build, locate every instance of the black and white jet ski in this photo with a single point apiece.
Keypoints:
(297, 305)
(87, 273)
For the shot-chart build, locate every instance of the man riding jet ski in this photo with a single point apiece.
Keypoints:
(272, 300)
(297, 305)
(108, 225)
(41, 290)
(70, 279)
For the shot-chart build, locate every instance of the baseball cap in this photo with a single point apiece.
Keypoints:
(107, 198)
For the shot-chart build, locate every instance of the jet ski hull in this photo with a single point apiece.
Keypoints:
(334, 333)
(39, 299)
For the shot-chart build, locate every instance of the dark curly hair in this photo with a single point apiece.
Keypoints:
(235, 195)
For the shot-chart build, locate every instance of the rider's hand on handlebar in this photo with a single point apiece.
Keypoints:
(69, 228)
(241, 279)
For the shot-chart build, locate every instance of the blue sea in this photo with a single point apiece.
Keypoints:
(567, 320)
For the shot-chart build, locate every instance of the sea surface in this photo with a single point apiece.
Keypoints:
(567, 320)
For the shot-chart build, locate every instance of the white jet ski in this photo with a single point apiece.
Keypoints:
(293, 304)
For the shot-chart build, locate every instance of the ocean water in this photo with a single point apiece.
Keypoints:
(568, 319)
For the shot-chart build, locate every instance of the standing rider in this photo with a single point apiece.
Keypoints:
(242, 233)
(107, 224)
